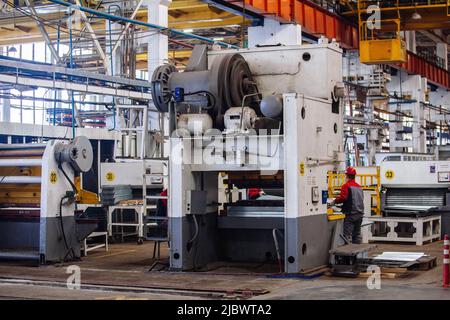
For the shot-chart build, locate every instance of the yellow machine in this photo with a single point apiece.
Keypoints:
(84, 196)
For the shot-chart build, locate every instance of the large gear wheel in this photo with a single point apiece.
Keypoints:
(161, 93)
(229, 80)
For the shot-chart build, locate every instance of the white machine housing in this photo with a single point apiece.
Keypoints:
(307, 69)
(130, 173)
(310, 147)
(41, 239)
(415, 174)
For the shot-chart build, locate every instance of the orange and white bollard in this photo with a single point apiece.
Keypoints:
(446, 263)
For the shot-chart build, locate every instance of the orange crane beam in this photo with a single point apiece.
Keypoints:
(314, 19)
(317, 21)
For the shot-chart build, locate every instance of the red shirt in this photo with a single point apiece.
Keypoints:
(253, 193)
(164, 194)
(344, 190)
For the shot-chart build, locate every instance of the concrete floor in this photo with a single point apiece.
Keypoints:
(122, 273)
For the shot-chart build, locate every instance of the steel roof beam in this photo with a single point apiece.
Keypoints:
(44, 33)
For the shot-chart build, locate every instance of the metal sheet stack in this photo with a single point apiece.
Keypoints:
(112, 195)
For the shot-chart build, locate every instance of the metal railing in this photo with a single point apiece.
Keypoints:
(367, 181)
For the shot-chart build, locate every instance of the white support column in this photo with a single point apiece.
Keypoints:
(158, 53)
(410, 38)
(442, 52)
(6, 110)
(158, 44)
(5, 104)
(415, 86)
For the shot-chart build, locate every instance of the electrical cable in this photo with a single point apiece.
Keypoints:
(191, 241)
(61, 222)
(194, 258)
(211, 104)
(71, 198)
(74, 188)
(274, 234)
(194, 237)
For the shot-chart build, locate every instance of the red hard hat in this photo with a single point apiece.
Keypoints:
(350, 170)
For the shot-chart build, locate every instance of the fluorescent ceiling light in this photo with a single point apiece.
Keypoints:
(188, 30)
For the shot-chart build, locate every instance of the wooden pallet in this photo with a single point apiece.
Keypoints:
(422, 264)
(315, 271)
(387, 275)
(131, 202)
(425, 263)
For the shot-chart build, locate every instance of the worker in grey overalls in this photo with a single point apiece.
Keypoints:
(352, 199)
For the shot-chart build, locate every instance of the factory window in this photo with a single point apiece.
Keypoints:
(27, 105)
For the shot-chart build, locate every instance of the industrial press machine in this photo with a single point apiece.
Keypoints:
(267, 117)
(37, 200)
(415, 200)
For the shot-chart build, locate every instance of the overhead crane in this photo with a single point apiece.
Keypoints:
(341, 23)
(375, 44)
(380, 23)
(414, 15)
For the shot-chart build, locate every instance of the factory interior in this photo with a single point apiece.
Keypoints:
(232, 150)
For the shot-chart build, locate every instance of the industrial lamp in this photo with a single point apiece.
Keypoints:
(416, 15)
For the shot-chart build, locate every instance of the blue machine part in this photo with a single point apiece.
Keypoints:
(324, 196)
(178, 94)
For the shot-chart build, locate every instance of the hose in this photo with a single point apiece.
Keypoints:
(275, 240)
(210, 97)
(61, 222)
(189, 243)
(60, 167)
(71, 197)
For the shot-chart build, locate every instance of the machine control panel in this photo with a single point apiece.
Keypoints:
(315, 194)
(195, 202)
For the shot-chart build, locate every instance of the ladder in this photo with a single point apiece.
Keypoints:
(142, 221)
(152, 220)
